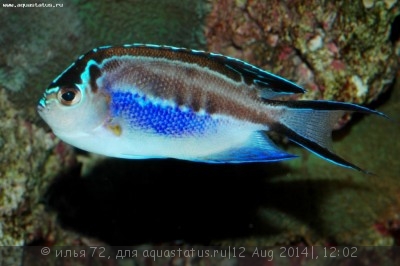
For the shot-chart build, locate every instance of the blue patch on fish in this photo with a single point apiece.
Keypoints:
(148, 101)
(154, 118)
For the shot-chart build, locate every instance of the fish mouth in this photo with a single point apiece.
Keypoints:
(42, 104)
(43, 100)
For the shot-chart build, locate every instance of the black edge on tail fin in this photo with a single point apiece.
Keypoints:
(310, 124)
(326, 106)
(315, 148)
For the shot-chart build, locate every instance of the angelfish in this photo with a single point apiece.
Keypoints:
(148, 101)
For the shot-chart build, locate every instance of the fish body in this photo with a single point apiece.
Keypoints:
(147, 101)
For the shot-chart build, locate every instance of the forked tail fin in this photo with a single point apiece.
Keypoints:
(310, 124)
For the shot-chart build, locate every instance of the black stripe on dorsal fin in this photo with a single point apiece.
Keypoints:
(325, 106)
(271, 85)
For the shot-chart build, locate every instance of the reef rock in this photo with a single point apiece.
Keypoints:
(337, 50)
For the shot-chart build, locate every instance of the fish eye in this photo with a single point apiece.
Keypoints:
(69, 95)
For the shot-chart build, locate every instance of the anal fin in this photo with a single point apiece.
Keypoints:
(258, 148)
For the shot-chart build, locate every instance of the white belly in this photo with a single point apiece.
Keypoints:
(141, 145)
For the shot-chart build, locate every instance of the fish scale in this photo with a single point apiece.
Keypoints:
(157, 119)
(144, 101)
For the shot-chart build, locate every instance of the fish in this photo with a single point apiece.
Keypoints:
(144, 101)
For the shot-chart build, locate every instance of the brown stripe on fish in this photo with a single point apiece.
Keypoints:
(94, 74)
(203, 89)
(184, 55)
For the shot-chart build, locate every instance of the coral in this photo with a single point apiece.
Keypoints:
(337, 50)
(27, 165)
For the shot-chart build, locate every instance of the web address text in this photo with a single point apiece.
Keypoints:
(33, 5)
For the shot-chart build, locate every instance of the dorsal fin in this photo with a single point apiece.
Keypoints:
(271, 85)
(268, 84)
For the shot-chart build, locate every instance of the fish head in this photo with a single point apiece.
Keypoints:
(73, 110)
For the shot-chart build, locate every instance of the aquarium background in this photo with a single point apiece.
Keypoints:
(54, 195)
